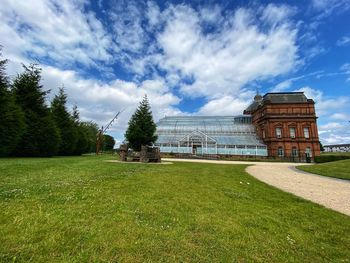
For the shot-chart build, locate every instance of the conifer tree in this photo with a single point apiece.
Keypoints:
(142, 129)
(41, 137)
(82, 145)
(65, 124)
(12, 124)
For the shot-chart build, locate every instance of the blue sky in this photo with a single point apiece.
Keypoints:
(189, 57)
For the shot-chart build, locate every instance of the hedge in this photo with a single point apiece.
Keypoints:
(330, 158)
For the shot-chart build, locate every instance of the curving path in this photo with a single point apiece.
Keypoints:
(330, 192)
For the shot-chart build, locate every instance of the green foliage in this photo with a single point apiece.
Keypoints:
(142, 129)
(12, 123)
(321, 147)
(82, 209)
(65, 124)
(330, 158)
(91, 130)
(41, 137)
(108, 142)
(337, 169)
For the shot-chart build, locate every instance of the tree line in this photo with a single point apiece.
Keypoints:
(29, 127)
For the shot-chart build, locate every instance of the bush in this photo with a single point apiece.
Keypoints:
(330, 158)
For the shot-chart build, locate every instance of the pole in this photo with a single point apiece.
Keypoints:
(99, 135)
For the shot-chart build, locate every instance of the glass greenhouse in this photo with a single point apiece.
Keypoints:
(227, 135)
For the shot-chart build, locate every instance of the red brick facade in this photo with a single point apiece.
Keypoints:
(288, 129)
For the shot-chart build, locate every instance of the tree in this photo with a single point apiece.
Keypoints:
(91, 130)
(41, 137)
(82, 144)
(12, 124)
(65, 124)
(321, 147)
(108, 142)
(142, 129)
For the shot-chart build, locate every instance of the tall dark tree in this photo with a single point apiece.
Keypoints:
(82, 145)
(41, 137)
(65, 124)
(142, 129)
(12, 120)
(108, 142)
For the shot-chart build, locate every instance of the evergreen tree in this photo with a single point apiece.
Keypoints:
(65, 124)
(12, 124)
(82, 145)
(142, 129)
(41, 137)
(108, 142)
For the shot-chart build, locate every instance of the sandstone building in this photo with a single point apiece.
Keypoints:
(279, 125)
(286, 123)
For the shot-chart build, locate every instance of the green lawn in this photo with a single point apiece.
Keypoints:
(82, 209)
(337, 169)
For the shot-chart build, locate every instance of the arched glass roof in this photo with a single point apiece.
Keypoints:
(226, 130)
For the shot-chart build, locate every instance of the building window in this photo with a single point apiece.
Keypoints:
(292, 132)
(278, 132)
(280, 152)
(294, 152)
(308, 152)
(306, 133)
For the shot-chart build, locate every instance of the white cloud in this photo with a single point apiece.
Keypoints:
(126, 23)
(345, 40)
(99, 101)
(226, 105)
(340, 116)
(58, 30)
(325, 105)
(222, 62)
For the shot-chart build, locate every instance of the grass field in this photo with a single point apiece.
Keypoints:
(337, 169)
(82, 209)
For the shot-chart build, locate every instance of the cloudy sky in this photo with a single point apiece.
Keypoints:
(190, 58)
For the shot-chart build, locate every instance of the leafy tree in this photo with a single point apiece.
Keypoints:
(12, 124)
(91, 130)
(142, 129)
(41, 137)
(108, 142)
(65, 123)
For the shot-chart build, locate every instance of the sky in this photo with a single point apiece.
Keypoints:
(189, 57)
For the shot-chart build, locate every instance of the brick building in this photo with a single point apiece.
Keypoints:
(286, 123)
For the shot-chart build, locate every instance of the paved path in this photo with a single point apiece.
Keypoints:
(329, 192)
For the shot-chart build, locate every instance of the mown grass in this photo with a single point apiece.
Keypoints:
(82, 209)
(337, 169)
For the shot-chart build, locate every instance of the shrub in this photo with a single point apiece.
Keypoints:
(330, 158)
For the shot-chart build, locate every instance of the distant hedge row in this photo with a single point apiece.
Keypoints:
(330, 158)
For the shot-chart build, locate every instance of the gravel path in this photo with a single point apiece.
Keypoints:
(329, 192)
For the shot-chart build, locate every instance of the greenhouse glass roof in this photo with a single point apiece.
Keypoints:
(223, 130)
